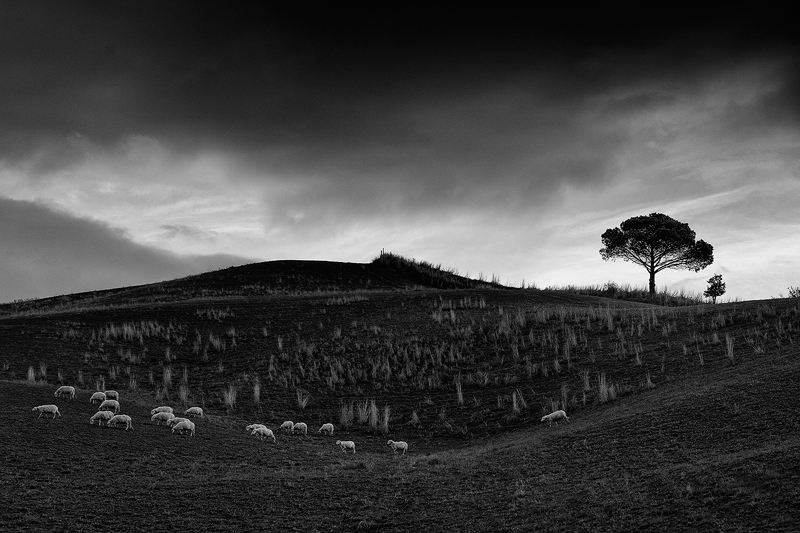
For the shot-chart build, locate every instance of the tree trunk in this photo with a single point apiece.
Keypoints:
(652, 283)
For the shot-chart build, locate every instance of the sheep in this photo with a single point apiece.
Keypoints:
(172, 421)
(162, 409)
(52, 409)
(108, 405)
(194, 411)
(346, 445)
(65, 390)
(112, 395)
(555, 416)
(100, 416)
(327, 428)
(251, 427)
(120, 419)
(186, 425)
(301, 427)
(288, 425)
(98, 397)
(161, 416)
(264, 432)
(398, 445)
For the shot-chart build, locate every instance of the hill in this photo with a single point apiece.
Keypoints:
(681, 418)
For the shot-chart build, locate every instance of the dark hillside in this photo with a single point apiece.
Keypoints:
(387, 272)
(682, 417)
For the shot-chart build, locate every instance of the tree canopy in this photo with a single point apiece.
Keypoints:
(656, 242)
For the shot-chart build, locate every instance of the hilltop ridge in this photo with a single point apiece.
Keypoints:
(387, 272)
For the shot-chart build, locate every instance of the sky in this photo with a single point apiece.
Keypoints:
(145, 141)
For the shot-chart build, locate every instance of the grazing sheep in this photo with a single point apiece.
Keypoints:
(300, 427)
(98, 397)
(100, 417)
(194, 411)
(288, 426)
(109, 405)
(172, 421)
(52, 409)
(264, 432)
(186, 425)
(120, 419)
(327, 428)
(398, 445)
(112, 395)
(162, 409)
(251, 427)
(161, 416)
(555, 416)
(347, 445)
(65, 390)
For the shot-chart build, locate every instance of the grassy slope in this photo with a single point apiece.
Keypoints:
(714, 446)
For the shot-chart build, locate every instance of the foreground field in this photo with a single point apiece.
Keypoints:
(720, 452)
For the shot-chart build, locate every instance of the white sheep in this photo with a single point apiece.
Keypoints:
(555, 416)
(161, 416)
(194, 411)
(347, 445)
(287, 426)
(112, 395)
(51, 409)
(65, 390)
(162, 409)
(186, 425)
(300, 427)
(98, 397)
(398, 445)
(327, 428)
(177, 420)
(251, 427)
(100, 417)
(264, 432)
(109, 405)
(120, 419)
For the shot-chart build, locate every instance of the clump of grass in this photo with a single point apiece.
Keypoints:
(373, 416)
(167, 376)
(80, 378)
(256, 391)
(415, 418)
(31, 374)
(43, 370)
(183, 394)
(459, 392)
(302, 398)
(346, 414)
(363, 412)
(517, 402)
(229, 396)
(385, 420)
(132, 382)
(603, 389)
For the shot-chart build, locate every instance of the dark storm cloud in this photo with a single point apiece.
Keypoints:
(458, 109)
(46, 252)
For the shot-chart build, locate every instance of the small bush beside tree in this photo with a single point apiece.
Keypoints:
(716, 288)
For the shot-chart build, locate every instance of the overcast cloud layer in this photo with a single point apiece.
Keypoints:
(142, 141)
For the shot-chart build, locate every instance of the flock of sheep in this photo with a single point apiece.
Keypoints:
(109, 408)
